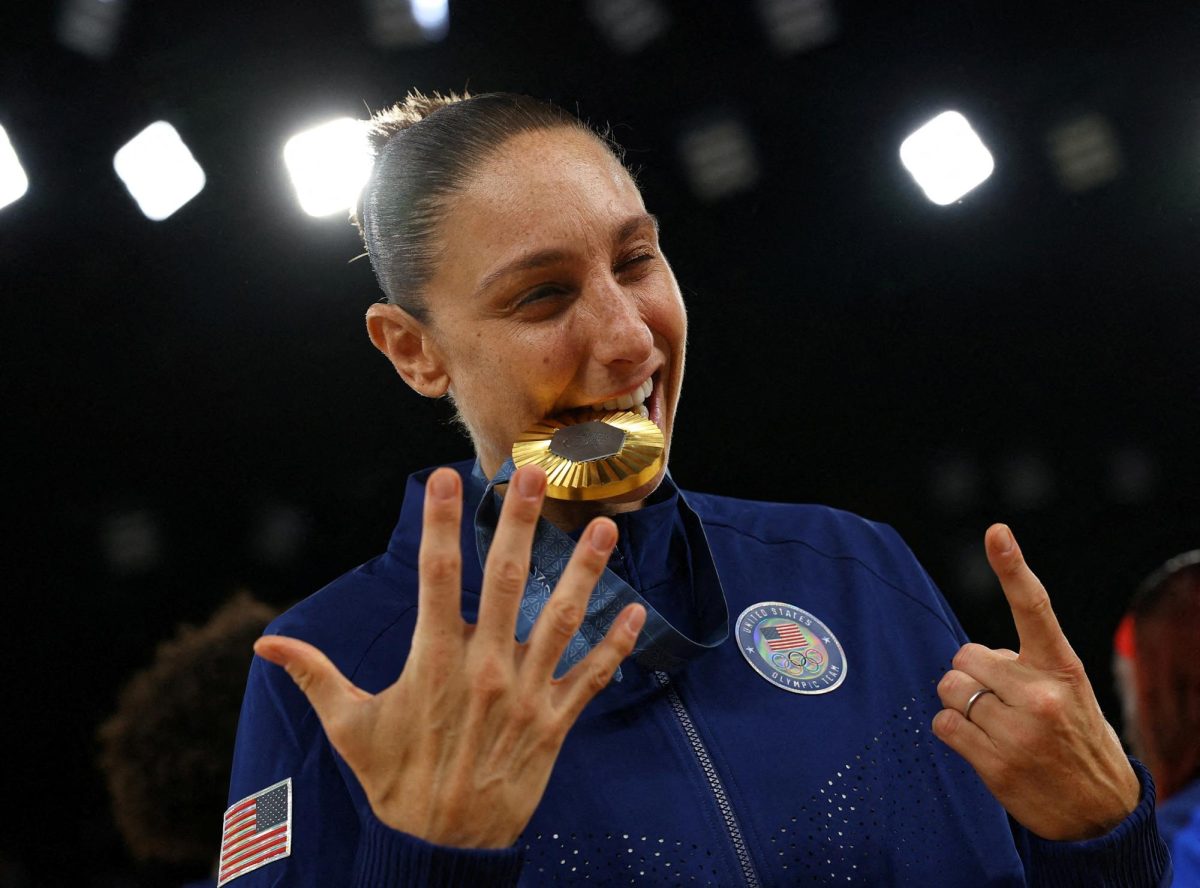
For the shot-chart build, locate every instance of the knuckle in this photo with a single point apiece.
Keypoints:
(439, 566)
(965, 655)
(564, 618)
(599, 676)
(491, 680)
(1046, 702)
(945, 724)
(524, 711)
(508, 575)
(1039, 606)
(948, 683)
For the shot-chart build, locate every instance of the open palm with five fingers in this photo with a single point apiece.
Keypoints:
(459, 749)
(1037, 738)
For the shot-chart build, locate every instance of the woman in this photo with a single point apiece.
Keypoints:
(525, 281)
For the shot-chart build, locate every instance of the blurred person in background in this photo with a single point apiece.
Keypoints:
(1157, 666)
(165, 751)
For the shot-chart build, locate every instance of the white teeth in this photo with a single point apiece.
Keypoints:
(643, 410)
(633, 400)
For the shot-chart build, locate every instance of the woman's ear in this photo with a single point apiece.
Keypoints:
(406, 343)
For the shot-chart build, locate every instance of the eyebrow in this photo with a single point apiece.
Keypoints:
(542, 258)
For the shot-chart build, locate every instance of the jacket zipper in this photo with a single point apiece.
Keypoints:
(714, 781)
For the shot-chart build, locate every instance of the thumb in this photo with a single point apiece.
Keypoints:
(331, 694)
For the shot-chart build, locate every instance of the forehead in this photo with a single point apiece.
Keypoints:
(546, 189)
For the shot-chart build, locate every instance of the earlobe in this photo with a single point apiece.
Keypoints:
(405, 342)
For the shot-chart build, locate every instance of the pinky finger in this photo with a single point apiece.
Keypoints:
(592, 674)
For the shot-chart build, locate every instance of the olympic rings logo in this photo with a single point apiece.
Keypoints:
(810, 662)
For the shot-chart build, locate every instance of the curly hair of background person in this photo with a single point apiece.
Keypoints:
(165, 751)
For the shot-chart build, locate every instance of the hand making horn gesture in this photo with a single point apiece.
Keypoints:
(459, 750)
(1029, 723)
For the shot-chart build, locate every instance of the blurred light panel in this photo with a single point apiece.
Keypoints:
(13, 181)
(629, 25)
(159, 170)
(329, 164)
(720, 158)
(407, 22)
(280, 533)
(796, 26)
(946, 158)
(1027, 481)
(90, 27)
(1085, 152)
(131, 541)
(955, 483)
(1133, 476)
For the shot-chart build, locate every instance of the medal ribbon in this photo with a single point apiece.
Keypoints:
(660, 645)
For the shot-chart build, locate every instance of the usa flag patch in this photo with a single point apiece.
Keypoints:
(256, 831)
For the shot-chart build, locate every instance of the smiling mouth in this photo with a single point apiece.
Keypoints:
(634, 401)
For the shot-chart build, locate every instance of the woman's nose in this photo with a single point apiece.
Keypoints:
(620, 332)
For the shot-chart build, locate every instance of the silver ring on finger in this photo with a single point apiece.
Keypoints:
(972, 700)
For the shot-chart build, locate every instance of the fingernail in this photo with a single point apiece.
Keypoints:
(635, 620)
(441, 485)
(1005, 540)
(529, 484)
(602, 537)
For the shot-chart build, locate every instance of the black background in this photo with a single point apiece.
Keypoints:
(848, 338)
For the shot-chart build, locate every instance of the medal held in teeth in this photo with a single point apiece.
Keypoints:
(592, 454)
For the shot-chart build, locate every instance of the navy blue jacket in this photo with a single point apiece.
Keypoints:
(710, 776)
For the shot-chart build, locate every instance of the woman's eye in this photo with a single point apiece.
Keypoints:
(634, 261)
(540, 294)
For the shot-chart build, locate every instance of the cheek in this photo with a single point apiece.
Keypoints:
(667, 317)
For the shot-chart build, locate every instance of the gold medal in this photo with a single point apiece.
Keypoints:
(592, 455)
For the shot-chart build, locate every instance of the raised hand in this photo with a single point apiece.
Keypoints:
(458, 751)
(1038, 738)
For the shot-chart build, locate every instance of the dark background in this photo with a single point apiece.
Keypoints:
(193, 406)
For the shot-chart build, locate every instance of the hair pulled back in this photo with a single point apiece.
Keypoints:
(425, 149)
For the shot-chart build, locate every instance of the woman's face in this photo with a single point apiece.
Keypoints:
(552, 294)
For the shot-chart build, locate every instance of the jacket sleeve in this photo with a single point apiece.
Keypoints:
(335, 838)
(1131, 856)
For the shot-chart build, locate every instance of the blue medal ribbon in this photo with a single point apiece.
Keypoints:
(660, 646)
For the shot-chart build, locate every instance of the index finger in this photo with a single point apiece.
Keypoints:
(1043, 643)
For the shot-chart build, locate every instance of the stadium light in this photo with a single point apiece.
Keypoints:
(1085, 152)
(395, 23)
(946, 158)
(13, 181)
(796, 26)
(720, 157)
(159, 170)
(91, 27)
(629, 25)
(329, 165)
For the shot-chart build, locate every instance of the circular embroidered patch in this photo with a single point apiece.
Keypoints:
(791, 648)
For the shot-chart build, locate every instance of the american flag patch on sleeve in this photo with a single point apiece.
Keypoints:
(256, 831)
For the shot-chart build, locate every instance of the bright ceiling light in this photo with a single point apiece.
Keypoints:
(946, 158)
(407, 22)
(432, 16)
(159, 170)
(13, 181)
(329, 164)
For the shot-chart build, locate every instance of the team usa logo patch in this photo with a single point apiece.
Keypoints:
(791, 648)
(256, 831)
